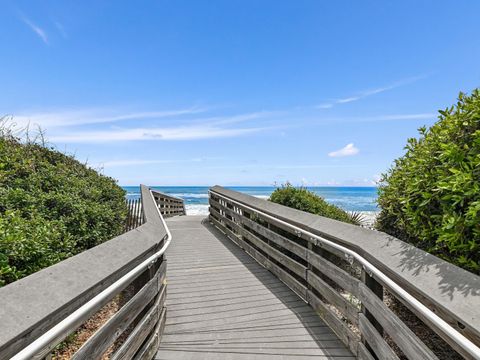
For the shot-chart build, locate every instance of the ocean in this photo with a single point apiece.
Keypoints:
(361, 199)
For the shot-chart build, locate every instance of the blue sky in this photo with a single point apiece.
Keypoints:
(236, 92)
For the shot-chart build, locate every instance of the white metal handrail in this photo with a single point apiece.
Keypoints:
(45, 343)
(468, 346)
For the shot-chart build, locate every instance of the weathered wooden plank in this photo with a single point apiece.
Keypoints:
(363, 353)
(278, 239)
(374, 340)
(285, 277)
(288, 229)
(347, 309)
(150, 348)
(377, 289)
(341, 277)
(141, 330)
(228, 211)
(283, 259)
(340, 328)
(226, 221)
(231, 235)
(116, 325)
(406, 340)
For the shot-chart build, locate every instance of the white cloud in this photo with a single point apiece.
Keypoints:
(75, 117)
(171, 133)
(132, 162)
(367, 93)
(139, 162)
(74, 125)
(223, 120)
(324, 106)
(349, 99)
(348, 150)
(419, 116)
(61, 29)
(36, 29)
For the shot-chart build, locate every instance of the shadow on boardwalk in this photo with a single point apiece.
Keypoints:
(224, 305)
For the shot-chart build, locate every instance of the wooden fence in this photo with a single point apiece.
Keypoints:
(167, 204)
(135, 216)
(41, 310)
(349, 275)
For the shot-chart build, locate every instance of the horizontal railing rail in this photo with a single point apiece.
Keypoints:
(41, 310)
(169, 205)
(344, 271)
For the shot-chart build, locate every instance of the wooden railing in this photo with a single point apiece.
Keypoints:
(169, 205)
(351, 276)
(40, 311)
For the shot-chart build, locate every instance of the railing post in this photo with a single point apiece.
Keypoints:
(377, 289)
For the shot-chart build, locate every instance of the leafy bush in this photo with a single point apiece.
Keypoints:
(431, 196)
(303, 199)
(51, 207)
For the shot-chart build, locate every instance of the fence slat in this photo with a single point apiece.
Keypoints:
(116, 325)
(406, 340)
(375, 340)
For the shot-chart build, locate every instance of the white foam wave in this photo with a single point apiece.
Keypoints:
(196, 209)
(191, 195)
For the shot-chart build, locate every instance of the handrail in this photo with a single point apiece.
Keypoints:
(447, 329)
(46, 342)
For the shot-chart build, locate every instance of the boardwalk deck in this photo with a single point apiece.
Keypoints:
(223, 305)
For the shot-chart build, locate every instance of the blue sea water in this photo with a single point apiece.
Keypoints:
(196, 197)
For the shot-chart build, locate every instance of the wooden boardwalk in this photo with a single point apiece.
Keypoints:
(224, 305)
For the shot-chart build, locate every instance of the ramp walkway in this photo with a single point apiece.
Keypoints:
(252, 280)
(223, 305)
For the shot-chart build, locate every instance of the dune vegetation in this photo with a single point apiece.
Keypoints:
(51, 206)
(301, 198)
(431, 195)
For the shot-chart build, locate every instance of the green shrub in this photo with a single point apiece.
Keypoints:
(431, 195)
(303, 199)
(51, 207)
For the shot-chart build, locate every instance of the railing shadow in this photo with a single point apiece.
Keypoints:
(417, 262)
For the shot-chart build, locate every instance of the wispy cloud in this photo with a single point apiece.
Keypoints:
(131, 162)
(170, 133)
(418, 116)
(66, 118)
(348, 150)
(61, 29)
(36, 29)
(324, 106)
(366, 93)
(427, 116)
(223, 120)
(88, 125)
(140, 162)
